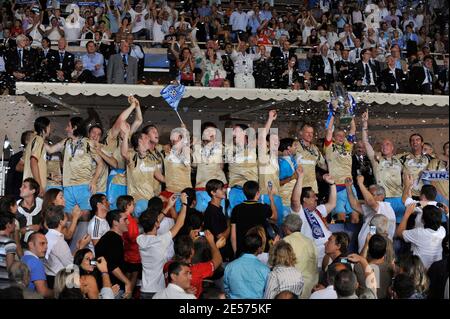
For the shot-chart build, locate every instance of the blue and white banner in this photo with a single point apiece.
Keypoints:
(173, 95)
(434, 175)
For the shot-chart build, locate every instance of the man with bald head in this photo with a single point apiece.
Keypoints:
(387, 169)
(61, 63)
(122, 67)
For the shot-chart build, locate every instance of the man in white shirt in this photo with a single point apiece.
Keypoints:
(347, 37)
(179, 276)
(98, 225)
(332, 36)
(304, 203)
(425, 242)
(153, 247)
(54, 31)
(138, 19)
(36, 31)
(243, 66)
(373, 204)
(58, 255)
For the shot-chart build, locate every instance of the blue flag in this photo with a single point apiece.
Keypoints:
(173, 95)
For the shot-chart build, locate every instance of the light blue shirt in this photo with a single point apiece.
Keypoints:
(287, 165)
(204, 11)
(245, 278)
(239, 21)
(265, 15)
(36, 266)
(254, 24)
(412, 37)
(113, 25)
(91, 60)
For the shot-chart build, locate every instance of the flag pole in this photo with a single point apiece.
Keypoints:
(176, 111)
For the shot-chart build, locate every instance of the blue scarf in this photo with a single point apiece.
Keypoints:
(316, 230)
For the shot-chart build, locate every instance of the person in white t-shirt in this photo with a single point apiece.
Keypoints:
(304, 203)
(426, 242)
(98, 225)
(153, 247)
(36, 31)
(137, 19)
(373, 204)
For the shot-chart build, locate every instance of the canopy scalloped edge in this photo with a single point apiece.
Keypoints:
(116, 90)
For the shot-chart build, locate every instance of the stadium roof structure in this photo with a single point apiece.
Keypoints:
(228, 103)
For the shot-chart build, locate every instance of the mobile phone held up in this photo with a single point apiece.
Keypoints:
(269, 185)
(93, 263)
(201, 233)
(373, 230)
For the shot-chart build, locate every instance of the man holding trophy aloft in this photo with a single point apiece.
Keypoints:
(338, 146)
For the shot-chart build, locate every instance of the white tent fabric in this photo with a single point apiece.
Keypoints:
(115, 90)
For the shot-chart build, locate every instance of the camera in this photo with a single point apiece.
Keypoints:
(440, 205)
(418, 204)
(201, 233)
(93, 262)
(344, 261)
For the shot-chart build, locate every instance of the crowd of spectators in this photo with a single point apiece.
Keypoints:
(376, 46)
(119, 215)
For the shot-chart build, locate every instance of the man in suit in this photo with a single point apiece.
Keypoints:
(280, 59)
(442, 84)
(7, 42)
(365, 75)
(20, 62)
(321, 68)
(421, 79)
(393, 80)
(43, 59)
(344, 69)
(228, 64)
(122, 67)
(61, 63)
(373, 60)
(361, 166)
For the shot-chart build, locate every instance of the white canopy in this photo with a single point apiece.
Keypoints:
(114, 90)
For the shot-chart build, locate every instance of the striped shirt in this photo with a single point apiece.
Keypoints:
(7, 246)
(283, 278)
(96, 229)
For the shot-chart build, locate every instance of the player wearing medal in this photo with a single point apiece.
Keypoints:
(387, 169)
(177, 164)
(35, 161)
(141, 170)
(208, 158)
(95, 134)
(155, 154)
(242, 162)
(415, 162)
(80, 176)
(309, 156)
(268, 168)
(117, 184)
(338, 153)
